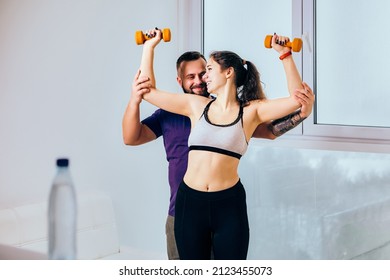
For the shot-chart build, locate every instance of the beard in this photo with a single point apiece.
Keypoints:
(191, 91)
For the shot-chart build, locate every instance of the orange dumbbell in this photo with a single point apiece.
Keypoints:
(140, 37)
(295, 45)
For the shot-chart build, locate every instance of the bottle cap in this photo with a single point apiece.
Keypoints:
(62, 162)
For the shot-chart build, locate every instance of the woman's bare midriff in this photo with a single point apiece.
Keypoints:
(219, 172)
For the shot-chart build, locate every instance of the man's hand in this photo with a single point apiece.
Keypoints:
(306, 98)
(141, 85)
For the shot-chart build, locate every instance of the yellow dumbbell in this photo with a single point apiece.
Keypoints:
(295, 45)
(140, 37)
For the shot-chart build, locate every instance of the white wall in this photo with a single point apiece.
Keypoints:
(65, 76)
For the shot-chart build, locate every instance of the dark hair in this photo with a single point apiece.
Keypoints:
(188, 56)
(247, 79)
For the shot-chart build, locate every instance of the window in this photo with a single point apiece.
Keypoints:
(352, 96)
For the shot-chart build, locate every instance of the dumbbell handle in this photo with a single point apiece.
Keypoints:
(140, 37)
(295, 45)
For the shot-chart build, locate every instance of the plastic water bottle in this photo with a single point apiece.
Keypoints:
(62, 212)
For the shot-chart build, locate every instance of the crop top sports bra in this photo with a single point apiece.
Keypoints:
(228, 139)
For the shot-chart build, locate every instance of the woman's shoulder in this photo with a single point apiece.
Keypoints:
(252, 109)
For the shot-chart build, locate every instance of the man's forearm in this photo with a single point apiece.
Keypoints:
(131, 124)
(281, 126)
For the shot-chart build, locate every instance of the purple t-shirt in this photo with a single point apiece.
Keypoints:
(175, 130)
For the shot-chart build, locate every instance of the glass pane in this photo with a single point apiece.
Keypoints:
(352, 39)
(241, 26)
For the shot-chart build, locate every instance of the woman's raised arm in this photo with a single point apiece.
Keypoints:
(294, 80)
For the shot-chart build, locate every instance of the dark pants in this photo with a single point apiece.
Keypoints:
(211, 220)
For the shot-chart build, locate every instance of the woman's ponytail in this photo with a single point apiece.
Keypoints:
(251, 88)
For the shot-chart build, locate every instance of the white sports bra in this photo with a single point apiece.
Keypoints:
(228, 139)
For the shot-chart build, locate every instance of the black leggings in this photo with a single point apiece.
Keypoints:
(211, 220)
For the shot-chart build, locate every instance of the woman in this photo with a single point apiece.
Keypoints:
(211, 204)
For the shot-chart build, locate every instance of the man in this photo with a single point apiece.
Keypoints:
(175, 129)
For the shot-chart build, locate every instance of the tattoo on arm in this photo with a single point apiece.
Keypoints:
(281, 126)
